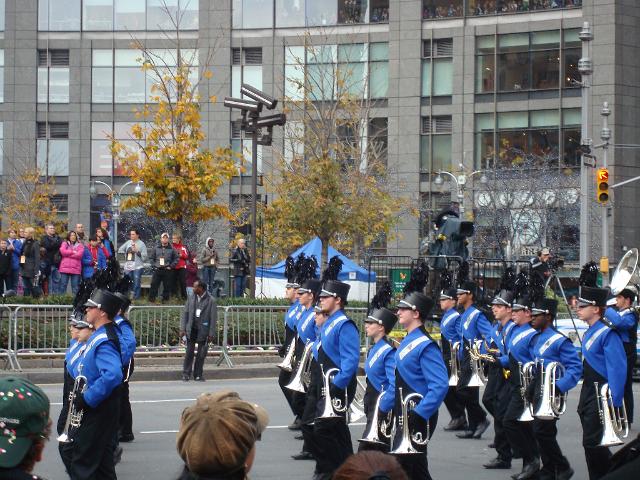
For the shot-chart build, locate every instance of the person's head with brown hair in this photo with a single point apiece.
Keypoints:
(370, 465)
(217, 435)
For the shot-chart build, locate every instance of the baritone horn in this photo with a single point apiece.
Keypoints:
(615, 425)
(407, 438)
(478, 377)
(552, 403)
(454, 363)
(333, 407)
(379, 432)
(356, 409)
(526, 376)
(301, 379)
(289, 358)
(74, 417)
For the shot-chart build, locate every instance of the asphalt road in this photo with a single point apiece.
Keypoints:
(157, 407)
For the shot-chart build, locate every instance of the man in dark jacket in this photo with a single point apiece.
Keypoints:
(51, 243)
(241, 261)
(198, 325)
(30, 263)
(163, 258)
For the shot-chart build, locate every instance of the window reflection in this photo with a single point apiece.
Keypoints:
(97, 14)
(441, 9)
(352, 11)
(130, 15)
(291, 13)
(379, 11)
(322, 13)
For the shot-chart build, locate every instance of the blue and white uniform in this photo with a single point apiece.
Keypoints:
(380, 368)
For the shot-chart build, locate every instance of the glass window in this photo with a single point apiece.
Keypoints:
(293, 141)
(379, 79)
(257, 13)
(322, 13)
(53, 157)
(290, 13)
(442, 77)
(189, 14)
(353, 76)
(441, 9)
(102, 58)
(572, 76)
(102, 77)
(513, 120)
(571, 116)
(236, 16)
(572, 38)
(130, 15)
(59, 85)
(294, 82)
(352, 11)
(252, 74)
(352, 52)
(571, 146)
(1, 146)
(378, 139)
(378, 51)
(61, 15)
(294, 55)
(485, 73)
(321, 81)
(97, 15)
(129, 85)
(1, 75)
(160, 14)
(545, 39)
(2, 7)
(544, 118)
(513, 42)
(379, 11)
(544, 142)
(513, 74)
(53, 76)
(127, 58)
(545, 69)
(441, 154)
(425, 153)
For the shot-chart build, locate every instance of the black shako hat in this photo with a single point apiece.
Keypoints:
(545, 306)
(336, 289)
(126, 301)
(311, 286)
(106, 301)
(417, 301)
(449, 294)
(383, 316)
(504, 297)
(592, 296)
(468, 286)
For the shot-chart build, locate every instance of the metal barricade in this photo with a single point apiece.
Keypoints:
(6, 337)
(40, 329)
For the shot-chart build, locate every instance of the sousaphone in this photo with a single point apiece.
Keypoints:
(626, 274)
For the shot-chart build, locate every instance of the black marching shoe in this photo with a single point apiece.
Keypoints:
(199, 379)
(302, 456)
(498, 463)
(466, 434)
(529, 470)
(458, 423)
(299, 437)
(480, 429)
(296, 424)
(126, 437)
(117, 455)
(492, 445)
(185, 378)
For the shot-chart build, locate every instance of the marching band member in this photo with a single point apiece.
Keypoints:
(339, 349)
(93, 443)
(519, 348)
(379, 367)
(473, 326)
(551, 346)
(625, 320)
(450, 333)
(420, 369)
(128, 344)
(306, 328)
(604, 362)
(497, 392)
(290, 334)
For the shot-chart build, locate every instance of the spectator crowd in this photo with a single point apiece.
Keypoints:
(56, 263)
(450, 9)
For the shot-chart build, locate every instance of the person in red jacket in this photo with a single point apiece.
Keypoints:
(181, 268)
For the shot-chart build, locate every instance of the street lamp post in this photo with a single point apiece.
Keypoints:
(115, 203)
(461, 182)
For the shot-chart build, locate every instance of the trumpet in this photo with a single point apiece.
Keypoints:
(379, 432)
(74, 418)
(615, 424)
(454, 362)
(356, 409)
(302, 378)
(526, 375)
(408, 439)
(333, 407)
(553, 403)
(289, 359)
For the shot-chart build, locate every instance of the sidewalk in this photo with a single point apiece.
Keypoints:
(148, 368)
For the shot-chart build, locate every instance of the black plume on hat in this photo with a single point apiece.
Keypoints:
(382, 297)
(508, 279)
(589, 275)
(463, 273)
(536, 287)
(419, 278)
(333, 269)
(290, 269)
(306, 268)
(446, 280)
(521, 284)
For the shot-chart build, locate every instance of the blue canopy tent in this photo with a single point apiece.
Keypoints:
(270, 281)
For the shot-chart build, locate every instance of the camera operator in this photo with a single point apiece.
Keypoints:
(540, 264)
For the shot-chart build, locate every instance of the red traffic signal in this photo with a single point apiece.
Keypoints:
(602, 185)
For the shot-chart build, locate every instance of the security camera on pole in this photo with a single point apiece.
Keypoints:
(253, 123)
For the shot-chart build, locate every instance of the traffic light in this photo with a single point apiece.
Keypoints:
(602, 185)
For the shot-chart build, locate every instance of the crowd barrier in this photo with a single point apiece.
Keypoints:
(42, 330)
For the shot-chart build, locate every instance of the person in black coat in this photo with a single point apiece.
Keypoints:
(241, 261)
(5, 266)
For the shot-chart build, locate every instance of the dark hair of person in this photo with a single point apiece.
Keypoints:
(135, 230)
(367, 464)
(69, 235)
(30, 458)
(93, 238)
(105, 234)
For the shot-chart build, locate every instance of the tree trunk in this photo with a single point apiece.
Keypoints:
(324, 260)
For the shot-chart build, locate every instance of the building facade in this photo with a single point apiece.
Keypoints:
(460, 86)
